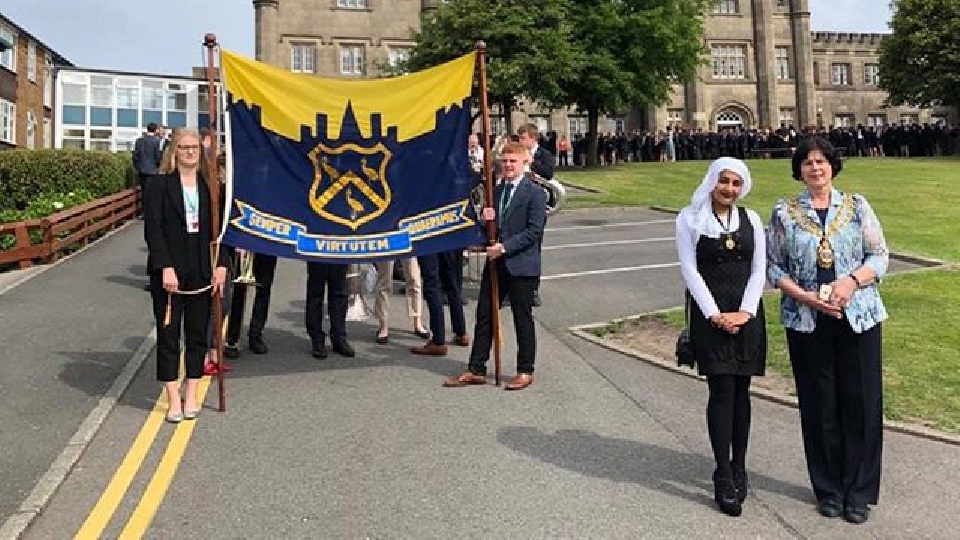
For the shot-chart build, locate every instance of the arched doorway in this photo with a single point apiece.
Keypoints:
(729, 119)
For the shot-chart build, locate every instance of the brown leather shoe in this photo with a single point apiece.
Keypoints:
(430, 349)
(462, 341)
(464, 379)
(521, 381)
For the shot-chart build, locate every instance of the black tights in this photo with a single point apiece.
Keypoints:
(728, 420)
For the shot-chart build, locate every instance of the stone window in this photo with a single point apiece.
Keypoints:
(352, 4)
(303, 58)
(844, 120)
(729, 61)
(729, 119)
(8, 119)
(398, 55)
(876, 120)
(8, 48)
(939, 119)
(909, 119)
(352, 59)
(31, 130)
(871, 74)
(674, 116)
(816, 72)
(616, 124)
(786, 116)
(727, 7)
(782, 57)
(498, 124)
(841, 74)
(578, 124)
(542, 122)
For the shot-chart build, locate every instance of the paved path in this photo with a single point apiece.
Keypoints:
(602, 446)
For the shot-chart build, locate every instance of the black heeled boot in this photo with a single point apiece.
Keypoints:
(725, 493)
(740, 483)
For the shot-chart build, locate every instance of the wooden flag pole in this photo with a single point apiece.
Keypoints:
(488, 192)
(213, 183)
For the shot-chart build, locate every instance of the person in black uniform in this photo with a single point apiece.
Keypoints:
(332, 279)
(178, 228)
(541, 164)
(722, 252)
(264, 267)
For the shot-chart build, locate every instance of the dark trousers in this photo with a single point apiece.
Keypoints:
(839, 386)
(442, 275)
(192, 311)
(332, 279)
(264, 267)
(728, 421)
(520, 291)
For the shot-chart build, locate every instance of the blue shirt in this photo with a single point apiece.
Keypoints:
(792, 252)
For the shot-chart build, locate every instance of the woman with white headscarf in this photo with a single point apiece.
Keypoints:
(722, 259)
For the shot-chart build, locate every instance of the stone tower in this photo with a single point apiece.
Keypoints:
(803, 62)
(266, 30)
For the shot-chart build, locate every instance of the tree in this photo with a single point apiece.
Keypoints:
(920, 61)
(527, 46)
(634, 52)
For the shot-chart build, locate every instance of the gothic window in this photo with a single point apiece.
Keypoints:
(729, 118)
(726, 7)
(782, 57)
(871, 74)
(303, 58)
(729, 61)
(841, 74)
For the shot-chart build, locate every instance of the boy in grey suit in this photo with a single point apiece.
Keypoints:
(521, 213)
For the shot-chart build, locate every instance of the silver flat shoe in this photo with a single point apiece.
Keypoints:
(175, 418)
(191, 415)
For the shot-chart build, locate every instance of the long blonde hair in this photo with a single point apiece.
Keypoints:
(168, 163)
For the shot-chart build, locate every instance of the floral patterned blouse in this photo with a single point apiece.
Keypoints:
(792, 251)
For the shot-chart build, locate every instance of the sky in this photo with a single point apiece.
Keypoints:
(164, 36)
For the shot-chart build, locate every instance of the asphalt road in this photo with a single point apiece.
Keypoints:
(602, 446)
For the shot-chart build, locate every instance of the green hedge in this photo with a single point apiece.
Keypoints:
(28, 174)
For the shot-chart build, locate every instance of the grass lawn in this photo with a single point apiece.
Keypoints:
(915, 201)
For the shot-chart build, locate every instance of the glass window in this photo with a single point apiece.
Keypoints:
(786, 116)
(32, 62)
(578, 124)
(909, 119)
(782, 57)
(125, 140)
(47, 133)
(352, 4)
(498, 125)
(128, 117)
(398, 55)
(8, 57)
(351, 59)
(74, 94)
(841, 74)
(844, 120)
(101, 139)
(153, 95)
(871, 74)
(101, 116)
(74, 139)
(151, 116)
(542, 122)
(101, 91)
(729, 61)
(48, 84)
(876, 120)
(75, 115)
(303, 58)
(176, 119)
(31, 129)
(939, 119)
(726, 7)
(8, 120)
(176, 97)
(674, 116)
(816, 72)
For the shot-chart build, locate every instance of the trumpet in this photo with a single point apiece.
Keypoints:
(245, 269)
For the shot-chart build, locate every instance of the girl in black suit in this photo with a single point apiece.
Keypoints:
(177, 224)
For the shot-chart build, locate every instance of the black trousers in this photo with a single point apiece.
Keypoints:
(264, 267)
(331, 279)
(193, 313)
(442, 275)
(839, 386)
(520, 291)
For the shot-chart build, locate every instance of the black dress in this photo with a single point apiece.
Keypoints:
(726, 273)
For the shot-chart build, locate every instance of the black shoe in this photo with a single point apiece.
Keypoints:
(318, 351)
(231, 351)
(536, 299)
(830, 508)
(344, 349)
(257, 345)
(725, 493)
(856, 514)
(740, 483)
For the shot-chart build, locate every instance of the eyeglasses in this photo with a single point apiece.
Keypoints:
(189, 148)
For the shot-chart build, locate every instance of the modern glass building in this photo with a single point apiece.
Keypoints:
(109, 110)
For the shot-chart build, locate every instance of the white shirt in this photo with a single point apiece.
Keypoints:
(533, 152)
(687, 251)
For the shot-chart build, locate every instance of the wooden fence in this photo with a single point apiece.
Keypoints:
(68, 230)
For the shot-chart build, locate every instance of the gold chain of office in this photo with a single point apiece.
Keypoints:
(845, 213)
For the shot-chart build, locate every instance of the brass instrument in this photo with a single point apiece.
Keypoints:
(245, 269)
(556, 194)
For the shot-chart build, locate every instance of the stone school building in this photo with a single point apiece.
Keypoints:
(766, 68)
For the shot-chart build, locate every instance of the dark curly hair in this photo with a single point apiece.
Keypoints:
(809, 145)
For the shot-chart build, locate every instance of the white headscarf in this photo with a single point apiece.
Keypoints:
(699, 214)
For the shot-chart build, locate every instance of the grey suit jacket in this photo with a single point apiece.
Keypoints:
(147, 153)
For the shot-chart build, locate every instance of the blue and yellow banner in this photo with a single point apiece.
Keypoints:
(349, 170)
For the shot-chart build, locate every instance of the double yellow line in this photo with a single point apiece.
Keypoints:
(146, 509)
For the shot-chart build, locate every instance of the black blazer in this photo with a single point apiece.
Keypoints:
(542, 163)
(165, 225)
(521, 227)
(147, 153)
